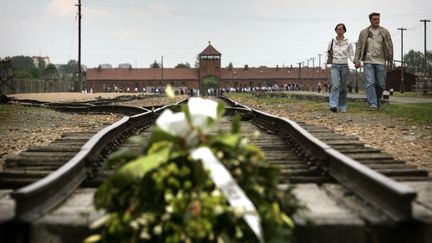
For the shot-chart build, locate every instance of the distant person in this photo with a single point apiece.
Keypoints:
(375, 49)
(319, 87)
(339, 50)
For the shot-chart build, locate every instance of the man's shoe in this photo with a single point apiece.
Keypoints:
(333, 109)
(373, 108)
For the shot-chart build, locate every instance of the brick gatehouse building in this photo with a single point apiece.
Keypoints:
(209, 74)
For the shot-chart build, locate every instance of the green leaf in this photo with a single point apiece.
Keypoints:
(121, 155)
(254, 150)
(220, 109)
(160, 135)
(103, 195)
(236, 124)
(199, 174)
(139, 140)
(136, 169)
(230, 141)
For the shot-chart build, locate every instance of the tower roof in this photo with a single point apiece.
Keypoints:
(210, 50)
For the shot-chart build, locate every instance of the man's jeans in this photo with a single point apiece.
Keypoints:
(375, 76)
(338, 93)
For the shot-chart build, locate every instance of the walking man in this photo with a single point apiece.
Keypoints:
(375, 49)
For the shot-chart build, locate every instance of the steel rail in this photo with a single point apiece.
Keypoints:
(36, 199)
(393, 198)
(121, 109)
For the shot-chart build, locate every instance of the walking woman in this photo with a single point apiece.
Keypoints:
(339, 50)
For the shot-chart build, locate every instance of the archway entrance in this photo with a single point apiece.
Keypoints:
(210, 83)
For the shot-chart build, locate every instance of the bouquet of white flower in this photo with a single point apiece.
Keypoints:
(181, 188)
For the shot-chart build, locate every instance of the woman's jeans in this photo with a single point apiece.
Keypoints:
(375, 75)
(338, 94)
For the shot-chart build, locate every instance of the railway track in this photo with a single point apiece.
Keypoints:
(40, 178)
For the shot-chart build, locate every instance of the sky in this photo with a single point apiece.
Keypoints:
(246, 32)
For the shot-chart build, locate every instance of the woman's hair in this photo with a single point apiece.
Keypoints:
(341, 24)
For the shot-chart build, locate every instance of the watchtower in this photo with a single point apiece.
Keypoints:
(209, 68)
(51, 78)
(6, 77)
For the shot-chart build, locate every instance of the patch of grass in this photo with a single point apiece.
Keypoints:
(419, 113)
(412, 94)
(416, 113)
(7, 110)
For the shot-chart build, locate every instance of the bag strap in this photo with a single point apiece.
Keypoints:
(331, 47)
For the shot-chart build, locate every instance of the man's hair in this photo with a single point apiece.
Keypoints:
(340, 24)
(373, 14)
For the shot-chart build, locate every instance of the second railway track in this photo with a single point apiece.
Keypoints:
(357, 182)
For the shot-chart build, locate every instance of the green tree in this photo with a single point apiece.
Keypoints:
(155, 64)
(24, 66)
(210, 82)
(36, 73)
(415, 61)
(22, 63)
(68, 71)
(70, 68)
(183, 65)
(230, 65)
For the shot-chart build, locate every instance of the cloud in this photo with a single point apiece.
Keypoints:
(61, 8)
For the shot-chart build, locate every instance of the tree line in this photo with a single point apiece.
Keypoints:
(24, 67)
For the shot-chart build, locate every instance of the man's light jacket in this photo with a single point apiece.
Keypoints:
(361, 47)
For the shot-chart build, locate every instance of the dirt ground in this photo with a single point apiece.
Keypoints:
(25, 127)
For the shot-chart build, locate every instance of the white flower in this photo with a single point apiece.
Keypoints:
(218, 209)
(169, 209)
(176, 124)
(173, 123)
(216, 193)
(200, 110)
(200, 106)
(168, 197)
(157, 230)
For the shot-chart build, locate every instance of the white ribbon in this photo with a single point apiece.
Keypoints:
(231, 190)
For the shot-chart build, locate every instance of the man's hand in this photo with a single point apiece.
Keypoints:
(357, 64)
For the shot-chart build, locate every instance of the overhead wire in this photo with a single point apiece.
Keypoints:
(122, 6)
